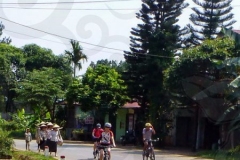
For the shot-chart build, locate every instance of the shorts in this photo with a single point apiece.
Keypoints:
(95, 139)
(104, 146)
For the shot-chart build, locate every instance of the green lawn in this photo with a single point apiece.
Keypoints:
(28, 155)
(219, 155)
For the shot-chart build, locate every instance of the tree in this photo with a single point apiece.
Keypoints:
(38, 57)
(102, 85)
(153, 43)
(11, 70)
(101, 89)
(40, 90)
(75, 56)
(4, 40)
(195, 81)
(209, 19)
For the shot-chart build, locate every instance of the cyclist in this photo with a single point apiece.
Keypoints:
(107, 139)
(148, 131)
(96, 133)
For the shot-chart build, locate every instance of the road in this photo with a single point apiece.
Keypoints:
(84, 152)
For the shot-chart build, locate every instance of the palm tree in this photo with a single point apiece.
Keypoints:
(75, 56)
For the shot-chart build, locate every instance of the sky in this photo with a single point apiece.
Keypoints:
(102, 28)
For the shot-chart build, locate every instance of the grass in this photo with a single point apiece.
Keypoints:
(29, 155)
(219, 155)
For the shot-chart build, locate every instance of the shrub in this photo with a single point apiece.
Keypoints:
(6, 143)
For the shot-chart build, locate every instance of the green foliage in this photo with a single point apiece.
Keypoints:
(209, 19)
(37, 57)
(198, 61)
(22, 155)
(75, 56)
(6, 142)
(100, 85)
(221, 154)
(40, 90)
(24, 120)
(5, 39)
(233, 35)
(11, 63)
(154, 39)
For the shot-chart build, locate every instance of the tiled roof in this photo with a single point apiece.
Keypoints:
(131, 105)
(237, 31)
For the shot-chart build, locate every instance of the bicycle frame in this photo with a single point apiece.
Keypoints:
(149, 151)
(105, 151)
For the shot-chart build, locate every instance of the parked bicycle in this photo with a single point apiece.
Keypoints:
(105, 152)
(149, 152)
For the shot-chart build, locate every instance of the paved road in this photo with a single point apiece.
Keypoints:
(84, 152)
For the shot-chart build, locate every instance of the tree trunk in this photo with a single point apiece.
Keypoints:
(194, 146)
(71, 121)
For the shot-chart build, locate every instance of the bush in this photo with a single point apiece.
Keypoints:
(22, 155)
(6, 143)
(17, 133)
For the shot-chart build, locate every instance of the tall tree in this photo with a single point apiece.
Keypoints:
(208, 18)
(196, 82)
(5, 39)
(40, 90)
(11, 64)
(153, 43)
(76, 55)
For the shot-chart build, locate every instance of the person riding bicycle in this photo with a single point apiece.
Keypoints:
(148, 131)
(106, 139)
(96, 133)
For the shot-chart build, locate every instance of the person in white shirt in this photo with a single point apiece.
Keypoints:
(49, 129)
(43, 137)
(28, 138)
(55, 137)
(148, 131)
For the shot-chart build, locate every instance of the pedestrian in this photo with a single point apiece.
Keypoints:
(28, 138)
(49, 129)
(43, 137)
(55, 137)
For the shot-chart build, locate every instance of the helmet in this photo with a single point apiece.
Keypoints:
(108, 125)
(98, 125)
(148, 125)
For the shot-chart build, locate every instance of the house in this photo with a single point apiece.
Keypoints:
(124, 119)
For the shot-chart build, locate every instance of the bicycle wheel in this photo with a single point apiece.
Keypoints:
(97, 156)
(145, 156)
(152, 156)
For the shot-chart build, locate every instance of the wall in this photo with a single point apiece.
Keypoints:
(121, 123)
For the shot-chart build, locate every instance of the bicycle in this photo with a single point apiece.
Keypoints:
(149, 151)
(97, 154)
(105, 151)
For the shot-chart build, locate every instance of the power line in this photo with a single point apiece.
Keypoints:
(84, 42)
(59, 35)
(54, 41)
(80, 9)
(65, 43)
(47, 3)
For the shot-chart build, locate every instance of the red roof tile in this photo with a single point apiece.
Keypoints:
(131, 105)
(237, 31)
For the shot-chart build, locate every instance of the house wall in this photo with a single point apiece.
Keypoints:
(121, 123)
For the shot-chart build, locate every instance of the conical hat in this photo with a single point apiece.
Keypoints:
(49, 124)
(56, 126)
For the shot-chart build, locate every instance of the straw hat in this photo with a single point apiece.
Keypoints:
(56, 126)
(49, 124)
(43, 125)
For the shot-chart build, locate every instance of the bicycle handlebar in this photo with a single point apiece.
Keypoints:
(102, 146)
(153, 140)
